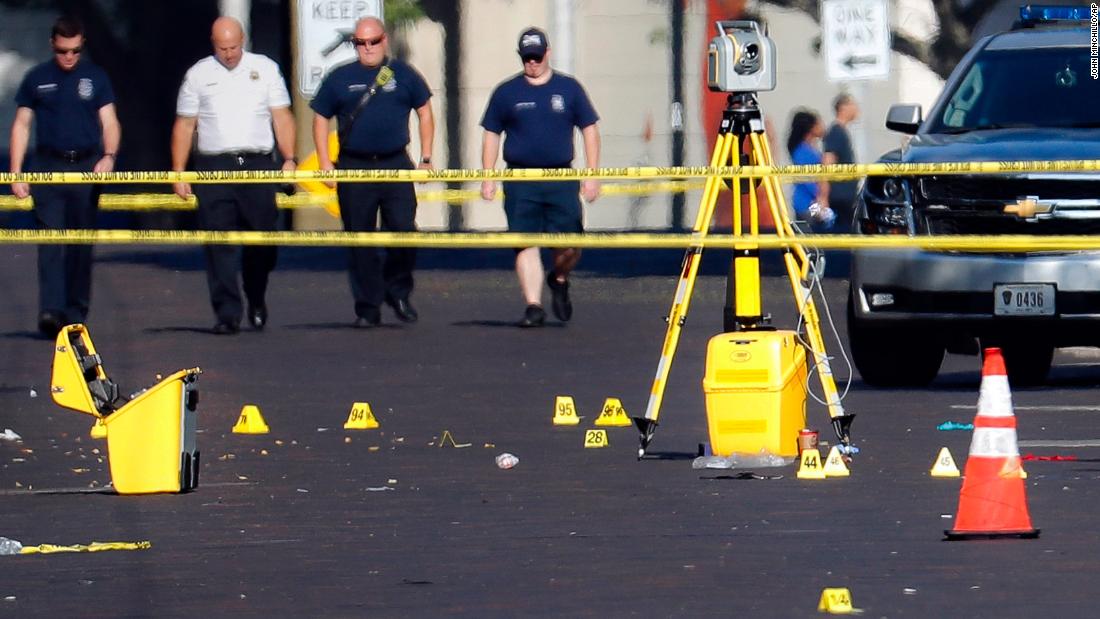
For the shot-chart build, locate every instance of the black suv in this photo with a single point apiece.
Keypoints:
(1028, 94)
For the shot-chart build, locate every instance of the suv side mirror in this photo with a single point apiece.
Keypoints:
(904, 118)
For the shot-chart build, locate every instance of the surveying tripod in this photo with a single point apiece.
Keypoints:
(741, 123)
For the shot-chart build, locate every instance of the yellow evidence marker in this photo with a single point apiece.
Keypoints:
(595, 438)
(565, 412)
(945, 465)
(837, 601)
(251, 421)
(613, 414)
(809, 466)
(834, 464)
(360, 417)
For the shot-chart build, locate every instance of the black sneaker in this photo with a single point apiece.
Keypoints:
(563, 307)
(403, 309)
(225, 328)
(533, 316)
(370, 319)
(49, 324)
(257, 317)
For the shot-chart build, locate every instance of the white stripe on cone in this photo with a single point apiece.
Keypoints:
(994, 443)
(995, 399)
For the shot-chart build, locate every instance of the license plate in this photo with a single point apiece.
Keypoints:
(1023, 300)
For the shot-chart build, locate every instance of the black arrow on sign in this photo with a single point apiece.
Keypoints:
(343, 36)
(852, 61)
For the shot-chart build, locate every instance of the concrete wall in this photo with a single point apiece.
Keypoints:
(622, 56)
(24, 42)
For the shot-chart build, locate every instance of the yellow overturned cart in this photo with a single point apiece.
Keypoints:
(150, 435)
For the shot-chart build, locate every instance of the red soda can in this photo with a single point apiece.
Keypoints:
(807, 439)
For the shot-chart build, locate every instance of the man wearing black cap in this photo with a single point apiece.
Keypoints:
(537, 111)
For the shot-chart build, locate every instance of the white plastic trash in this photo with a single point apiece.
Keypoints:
(507, 460)
(10, 546)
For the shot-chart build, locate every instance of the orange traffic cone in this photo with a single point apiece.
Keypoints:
(992, 502)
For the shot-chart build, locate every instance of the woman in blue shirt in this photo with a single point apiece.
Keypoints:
(810, 200)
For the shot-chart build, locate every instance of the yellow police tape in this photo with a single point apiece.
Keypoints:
(820, 172)
(46, 549)
(170, 202)
(594, 240)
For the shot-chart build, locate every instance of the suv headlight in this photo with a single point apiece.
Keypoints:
(887, 190)
(887, 206)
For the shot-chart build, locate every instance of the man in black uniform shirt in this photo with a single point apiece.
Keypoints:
(373, 108)
(70, 102)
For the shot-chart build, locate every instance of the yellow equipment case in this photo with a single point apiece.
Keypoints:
(150, 435)
(755, 389)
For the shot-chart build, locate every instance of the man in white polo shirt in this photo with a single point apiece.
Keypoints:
(239, 105)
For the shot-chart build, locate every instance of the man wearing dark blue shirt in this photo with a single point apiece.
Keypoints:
(837, 147)
(537, 110)
(372, 98)
(70, 103)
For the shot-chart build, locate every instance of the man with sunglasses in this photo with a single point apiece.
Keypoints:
(70, 102)
(372, 98)
(238, 104)
(537, 111)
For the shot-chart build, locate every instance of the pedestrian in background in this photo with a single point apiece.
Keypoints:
(537, 111)
(809, 200)
(372, 98)
(70, 103)
(238, 104)
(837, 146)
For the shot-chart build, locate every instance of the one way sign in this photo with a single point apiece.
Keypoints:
(856, 38)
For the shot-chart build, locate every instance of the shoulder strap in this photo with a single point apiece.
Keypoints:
(385, 74)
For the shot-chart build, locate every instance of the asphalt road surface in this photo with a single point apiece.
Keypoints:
(314, 521)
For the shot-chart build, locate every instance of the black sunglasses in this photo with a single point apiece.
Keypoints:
(532, 58)
(368, 42)
(65, 52)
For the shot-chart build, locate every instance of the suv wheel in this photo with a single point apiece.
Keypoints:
(1028, 363)
(893, 356)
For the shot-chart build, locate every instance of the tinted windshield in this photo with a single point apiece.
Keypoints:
(1023, 88)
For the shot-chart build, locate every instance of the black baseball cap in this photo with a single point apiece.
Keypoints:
(532, 43)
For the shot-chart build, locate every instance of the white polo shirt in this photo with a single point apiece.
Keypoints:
(233, 106)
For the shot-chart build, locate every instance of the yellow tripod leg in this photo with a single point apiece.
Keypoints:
(682, 300)
(797, 275)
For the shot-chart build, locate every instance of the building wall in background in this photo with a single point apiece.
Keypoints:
(622, 56)
(621, 53)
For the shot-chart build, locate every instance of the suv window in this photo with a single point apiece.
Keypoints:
(1048, 87)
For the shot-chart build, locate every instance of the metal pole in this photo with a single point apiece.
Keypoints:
(452, 86)
(858, 129)
(562, 41)
(242, 11)
(677, 106)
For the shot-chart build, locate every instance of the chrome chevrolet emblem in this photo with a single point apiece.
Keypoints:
(1027, 207)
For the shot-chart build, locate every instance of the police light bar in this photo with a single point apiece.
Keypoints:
(1042, 13)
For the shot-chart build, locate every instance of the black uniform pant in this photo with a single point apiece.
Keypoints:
(372, 280)
(245, 206)
(65, 271)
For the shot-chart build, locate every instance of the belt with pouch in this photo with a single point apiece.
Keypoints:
(357, 154)
(68, 156)
(240, 156)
